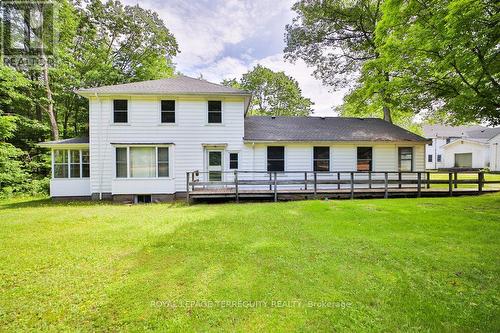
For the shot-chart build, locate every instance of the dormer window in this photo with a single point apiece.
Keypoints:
(120, 111)
(168, 112)
(214, 112)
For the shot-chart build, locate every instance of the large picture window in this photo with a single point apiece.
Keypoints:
(71, 163)
(214, 112)
(120, 111)
(168, 112)
(321, 158)
(364, 159)
(405, 159)
(275, 158)
(142, 162)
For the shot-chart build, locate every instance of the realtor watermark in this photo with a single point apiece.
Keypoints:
(250, 304)
(28, 33)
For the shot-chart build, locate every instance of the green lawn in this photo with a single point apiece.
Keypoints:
(430, 264)
(487, 177)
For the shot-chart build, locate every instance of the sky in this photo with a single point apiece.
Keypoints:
(223, 39)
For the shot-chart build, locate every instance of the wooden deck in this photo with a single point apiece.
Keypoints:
(335, 185)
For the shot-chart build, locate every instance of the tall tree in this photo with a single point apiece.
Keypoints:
(446, 56)
(274, 93)
(338, 38)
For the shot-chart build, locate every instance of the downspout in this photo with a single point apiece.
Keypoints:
(99, 145)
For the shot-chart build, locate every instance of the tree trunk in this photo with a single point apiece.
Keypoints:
(387, 114)
(50, 107)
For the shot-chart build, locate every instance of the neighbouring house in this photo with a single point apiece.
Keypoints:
(144, 137)
(466, 147)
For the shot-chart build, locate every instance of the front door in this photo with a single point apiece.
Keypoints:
(214, 165)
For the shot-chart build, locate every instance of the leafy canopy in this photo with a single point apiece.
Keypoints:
(274, 93)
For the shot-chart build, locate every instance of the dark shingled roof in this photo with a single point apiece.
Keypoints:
(263, 128)
(71, 141)
(177, 85)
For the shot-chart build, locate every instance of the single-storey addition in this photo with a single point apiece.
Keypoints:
(144, 137)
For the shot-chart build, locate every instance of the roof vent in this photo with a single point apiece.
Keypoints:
(273, 117)
(323, 118)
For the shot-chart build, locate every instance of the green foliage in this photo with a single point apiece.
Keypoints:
(444, 55)
(404, 57)
(273, 93)
(99, 43)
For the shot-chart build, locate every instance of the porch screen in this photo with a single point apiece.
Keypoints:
(142, 162)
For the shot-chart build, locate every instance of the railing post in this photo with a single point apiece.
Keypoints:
(187, 187)
(338, 178)
(428, 180)
(399, 179)
(270, 178)
(315, 183)
(192, 181)
(386, 185)
(455, 182)
(236, 186)
(275, 187)
(480, 179)
(450, 185)
(305, 180)
(352, 185)
(419, 184)
(369, 179)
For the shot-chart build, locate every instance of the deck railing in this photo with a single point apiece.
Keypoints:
(314, 181)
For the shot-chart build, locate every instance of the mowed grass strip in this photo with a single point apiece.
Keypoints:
(430, 264)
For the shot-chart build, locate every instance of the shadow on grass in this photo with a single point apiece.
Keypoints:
(43, 202)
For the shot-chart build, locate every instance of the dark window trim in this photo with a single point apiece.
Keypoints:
(231, 161)
(216, 113)
(320, 159)
(370, 160)
(120, 111)
(168, 112)
(281, 160)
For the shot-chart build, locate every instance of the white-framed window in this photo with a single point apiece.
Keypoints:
(142, 162)
(167, 109)
(120, 111)
(214, 112)
(365, 159)
(405, 158)
(71, 163)
(439, 158)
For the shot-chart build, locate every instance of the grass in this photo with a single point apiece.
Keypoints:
(430, 264)
(463, 176)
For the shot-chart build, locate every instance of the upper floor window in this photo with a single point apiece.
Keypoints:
(321, 158)
(275, 158)
(120, 111)
(168, 112)
(405, 159)
(448, 140)
(214, 112)
(429, 158)
(74, 163)
(438, 158)
(364, 159)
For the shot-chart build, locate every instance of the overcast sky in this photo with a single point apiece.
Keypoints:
(225, 38)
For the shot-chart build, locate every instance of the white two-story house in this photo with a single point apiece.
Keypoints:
(462, 147)
(145, 136)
